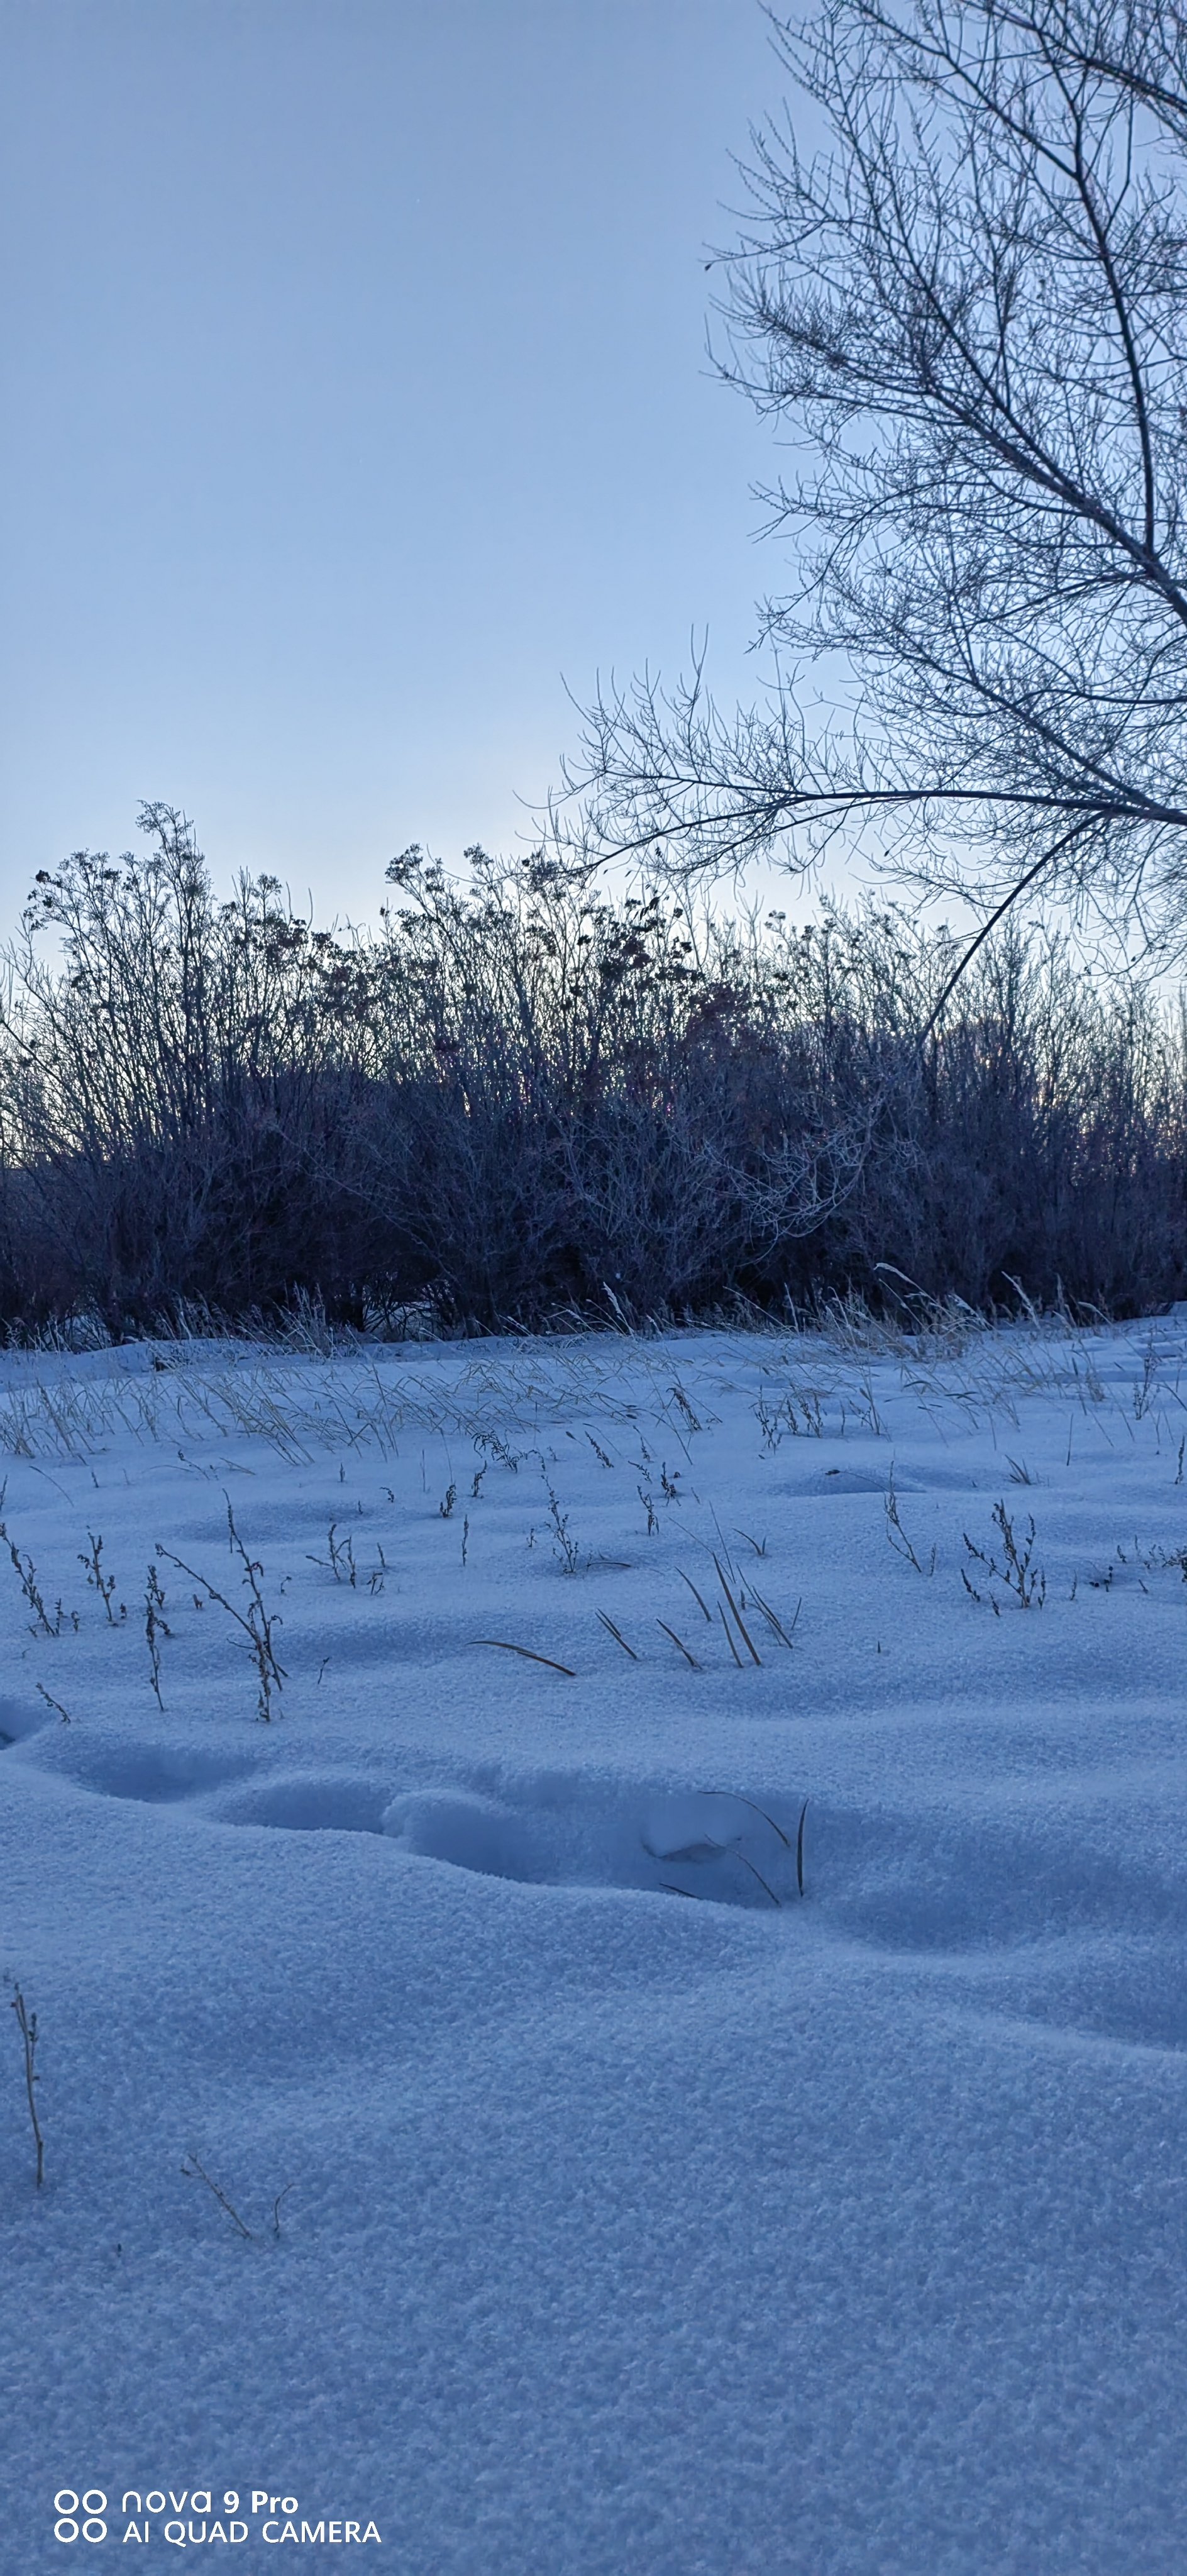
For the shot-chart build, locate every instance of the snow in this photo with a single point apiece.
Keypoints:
(639, 2212)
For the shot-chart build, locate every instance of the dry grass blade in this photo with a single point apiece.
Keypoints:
(755, 1810)
(757, 1873)
(717, 1851)
(618, 1637)
(784, 1634)
(729, 1638)
(743, 1631)
(505, 1647)
(697, 1596)
(679, 1641)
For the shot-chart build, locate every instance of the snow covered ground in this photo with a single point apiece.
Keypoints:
(602, 2203)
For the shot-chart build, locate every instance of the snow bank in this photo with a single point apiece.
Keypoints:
(591, 2199)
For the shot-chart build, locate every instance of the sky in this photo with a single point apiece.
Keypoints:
(356, 408)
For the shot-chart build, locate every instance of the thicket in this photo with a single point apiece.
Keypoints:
(524, 1099)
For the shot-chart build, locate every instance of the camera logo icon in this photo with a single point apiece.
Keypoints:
(80, 2517)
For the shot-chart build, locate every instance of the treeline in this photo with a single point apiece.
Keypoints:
(525, 1101)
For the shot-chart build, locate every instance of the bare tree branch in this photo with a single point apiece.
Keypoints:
(970, 314)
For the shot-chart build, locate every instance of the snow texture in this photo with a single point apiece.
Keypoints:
(640, 2213)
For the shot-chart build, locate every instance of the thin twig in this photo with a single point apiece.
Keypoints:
(55, 1704)
(27, 2026)
(189, 2170)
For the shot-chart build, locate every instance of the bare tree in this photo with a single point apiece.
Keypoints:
(970, 312)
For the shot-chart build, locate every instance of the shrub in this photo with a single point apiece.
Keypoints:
(524, 1098)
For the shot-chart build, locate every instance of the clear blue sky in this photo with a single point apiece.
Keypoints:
(355, 396)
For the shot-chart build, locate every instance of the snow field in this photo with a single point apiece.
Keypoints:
(638, 2213)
